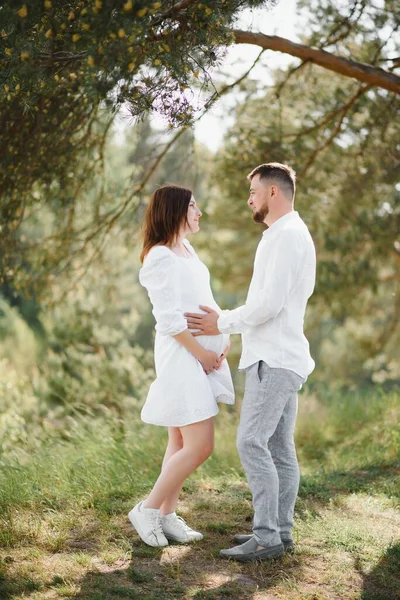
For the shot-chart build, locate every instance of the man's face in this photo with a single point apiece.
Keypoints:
(259, 199)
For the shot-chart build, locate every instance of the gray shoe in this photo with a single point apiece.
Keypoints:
(251, 550)
(288, 545)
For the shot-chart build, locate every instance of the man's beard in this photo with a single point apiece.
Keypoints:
(259, 216)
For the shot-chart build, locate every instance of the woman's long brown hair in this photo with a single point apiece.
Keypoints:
(164, 216)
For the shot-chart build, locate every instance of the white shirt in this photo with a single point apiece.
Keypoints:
(271, 322)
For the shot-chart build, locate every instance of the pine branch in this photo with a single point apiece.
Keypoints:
(345, 109)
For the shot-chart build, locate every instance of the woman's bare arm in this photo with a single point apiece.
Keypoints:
(208, 359)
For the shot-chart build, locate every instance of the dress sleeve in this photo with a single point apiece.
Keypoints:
(160, 276)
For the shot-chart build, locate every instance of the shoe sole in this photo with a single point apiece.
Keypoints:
(289, 548)
(131, 517)
(253, 558)
(173, 539)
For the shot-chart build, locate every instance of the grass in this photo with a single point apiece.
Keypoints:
(64, 531)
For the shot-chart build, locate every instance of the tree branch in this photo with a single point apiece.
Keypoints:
(374, 76)
(107, 220)
(345, 109)
(229, 86)
(174, 10)
(347, 67)
(288, 76)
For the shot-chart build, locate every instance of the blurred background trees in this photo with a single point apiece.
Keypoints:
(76, 327)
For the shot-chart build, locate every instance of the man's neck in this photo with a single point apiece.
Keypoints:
(270, 219)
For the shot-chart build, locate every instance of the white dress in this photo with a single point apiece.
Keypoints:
(182, 393)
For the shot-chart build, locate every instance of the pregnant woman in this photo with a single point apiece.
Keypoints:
(192, 373)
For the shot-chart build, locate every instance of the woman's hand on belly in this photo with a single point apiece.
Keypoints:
(224, 354)
(209, 361)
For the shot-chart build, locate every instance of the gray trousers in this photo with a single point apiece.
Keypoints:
(265, 443)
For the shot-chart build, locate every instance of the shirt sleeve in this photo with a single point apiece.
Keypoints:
(160, 276)
(271, 293)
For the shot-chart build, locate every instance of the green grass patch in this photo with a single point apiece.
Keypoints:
(64, 531)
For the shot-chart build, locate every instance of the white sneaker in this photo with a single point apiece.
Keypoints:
(147, 522)
(176, 529)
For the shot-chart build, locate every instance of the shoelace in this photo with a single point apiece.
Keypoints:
(182, 524)
(156, 526)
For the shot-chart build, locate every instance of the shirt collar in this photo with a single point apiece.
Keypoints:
(279, 223)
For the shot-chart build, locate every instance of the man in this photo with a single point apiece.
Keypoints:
(275, 357)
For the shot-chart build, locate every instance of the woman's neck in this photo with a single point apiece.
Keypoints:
(178, 242)
(178, 246)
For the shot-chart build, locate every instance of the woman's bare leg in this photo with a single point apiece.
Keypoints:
(175, 443)
(198, 444)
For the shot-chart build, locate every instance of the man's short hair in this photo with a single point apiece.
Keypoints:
(284, 175)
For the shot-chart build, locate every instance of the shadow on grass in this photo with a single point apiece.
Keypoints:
(383, 582)
(183, 572)
(381, 478)
(196, 572)
(11, 587)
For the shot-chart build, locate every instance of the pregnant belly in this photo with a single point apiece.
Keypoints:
(214, 343)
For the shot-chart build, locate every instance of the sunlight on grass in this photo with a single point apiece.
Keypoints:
(64, 531)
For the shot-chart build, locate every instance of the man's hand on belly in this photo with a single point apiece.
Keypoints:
(205, 324)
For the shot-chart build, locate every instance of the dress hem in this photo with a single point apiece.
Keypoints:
(180, 425)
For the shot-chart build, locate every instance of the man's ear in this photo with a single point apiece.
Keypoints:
(274, 191)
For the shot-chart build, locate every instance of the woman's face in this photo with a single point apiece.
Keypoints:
(192, 218)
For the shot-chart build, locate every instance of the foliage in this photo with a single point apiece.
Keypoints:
(84, 202)
(341, 137)
(339, 26)
(76, 328)
(64, 66)
(86, 362)
(144, 53)
(66, 69)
